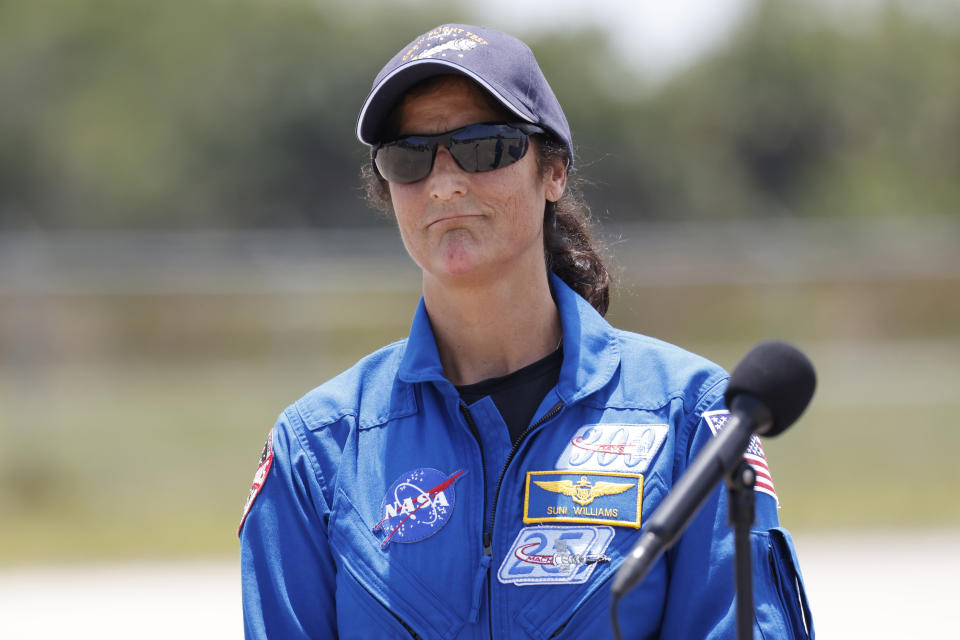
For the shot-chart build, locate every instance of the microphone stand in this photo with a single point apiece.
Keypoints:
(740, 484)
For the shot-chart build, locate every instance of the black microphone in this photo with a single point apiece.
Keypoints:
(767, 392)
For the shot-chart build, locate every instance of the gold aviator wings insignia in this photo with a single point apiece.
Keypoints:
(566, 487)
(583, 492)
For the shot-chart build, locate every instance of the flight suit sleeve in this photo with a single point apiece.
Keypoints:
(701, 593)
(287, 572)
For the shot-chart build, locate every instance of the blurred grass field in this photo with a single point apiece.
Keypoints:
(131, 423)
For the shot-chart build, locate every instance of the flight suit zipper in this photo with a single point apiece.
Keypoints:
(488, 535)
(487, 558)
(483, 570)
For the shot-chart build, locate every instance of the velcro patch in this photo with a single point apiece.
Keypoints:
(263, 468)
(628, 448)
(583, 498)
(555, 555)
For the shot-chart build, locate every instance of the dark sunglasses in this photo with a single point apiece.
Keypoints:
(475, 148)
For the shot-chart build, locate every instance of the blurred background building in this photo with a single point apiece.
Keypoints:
(185, 249)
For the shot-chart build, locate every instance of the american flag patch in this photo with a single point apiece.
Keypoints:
(754, 454)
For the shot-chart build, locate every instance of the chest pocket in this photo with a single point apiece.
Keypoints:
(396, 589)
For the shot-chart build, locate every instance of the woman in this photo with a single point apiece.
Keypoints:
(485, 477)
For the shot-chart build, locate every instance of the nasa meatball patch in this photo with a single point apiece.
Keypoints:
(417, 505)
(266, 461)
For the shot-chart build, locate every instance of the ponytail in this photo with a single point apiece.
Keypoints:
(569, 247)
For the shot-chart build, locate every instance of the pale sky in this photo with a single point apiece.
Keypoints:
(657, 36)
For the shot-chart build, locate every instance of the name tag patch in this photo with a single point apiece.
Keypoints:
(555, 555)
(583, 498)
(417, 505)
(627, 448)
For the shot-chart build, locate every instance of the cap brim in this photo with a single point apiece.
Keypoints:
(391, 88)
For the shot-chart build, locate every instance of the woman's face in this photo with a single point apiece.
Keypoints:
(470, 227)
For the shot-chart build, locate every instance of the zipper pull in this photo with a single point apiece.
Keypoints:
(479, 578)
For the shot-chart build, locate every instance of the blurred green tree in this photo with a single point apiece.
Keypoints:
(136, 113)
(129, 113)
(811, 113)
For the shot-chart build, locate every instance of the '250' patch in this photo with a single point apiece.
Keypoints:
(555, 555)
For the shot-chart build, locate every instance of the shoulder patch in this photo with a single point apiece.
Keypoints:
(266, 461)
(754, 454)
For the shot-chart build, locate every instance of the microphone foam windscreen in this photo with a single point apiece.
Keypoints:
(780, 376)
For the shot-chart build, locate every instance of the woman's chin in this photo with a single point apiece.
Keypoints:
(460, 260)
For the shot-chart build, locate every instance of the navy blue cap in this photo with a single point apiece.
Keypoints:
(502, 65)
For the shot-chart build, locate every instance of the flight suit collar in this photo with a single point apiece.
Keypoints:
(591, 352)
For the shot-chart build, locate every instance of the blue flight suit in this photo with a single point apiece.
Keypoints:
(387, 508)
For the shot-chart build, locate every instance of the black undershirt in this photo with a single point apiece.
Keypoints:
(517, 395)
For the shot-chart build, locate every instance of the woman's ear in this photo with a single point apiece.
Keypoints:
(555, 179)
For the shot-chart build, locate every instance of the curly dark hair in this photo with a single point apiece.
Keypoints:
(570, 250)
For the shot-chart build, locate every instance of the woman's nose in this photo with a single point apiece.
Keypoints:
(446, 180)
